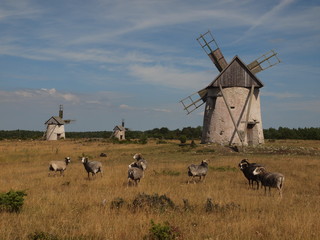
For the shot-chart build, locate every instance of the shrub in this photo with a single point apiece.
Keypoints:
(153, 202)
(42, 236)
(193, 144)
(12, 201)
(143, 140)
(117, 203)
(162, 232)
(183, 139)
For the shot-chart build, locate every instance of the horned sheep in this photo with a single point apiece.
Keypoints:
(139, 160)
(269, 179)
(247, 170)
(92, 167)
(136, 169)
(198, 170)
(60, 166)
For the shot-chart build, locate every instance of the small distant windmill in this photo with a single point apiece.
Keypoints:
(119, 131)
(232, 114)
(55, 126)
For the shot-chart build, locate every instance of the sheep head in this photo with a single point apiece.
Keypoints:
(258, 170)
(67, 160)
(137, 156)
(243, 164)
(84, 159)
(205, 162)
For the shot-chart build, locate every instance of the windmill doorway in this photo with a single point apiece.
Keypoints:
(252, 134)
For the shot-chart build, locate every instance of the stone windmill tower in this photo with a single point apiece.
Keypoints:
(232, 114)
(55, 126)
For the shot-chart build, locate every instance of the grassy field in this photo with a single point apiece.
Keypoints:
(73, 207)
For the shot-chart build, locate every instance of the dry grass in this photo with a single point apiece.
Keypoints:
(70, 207)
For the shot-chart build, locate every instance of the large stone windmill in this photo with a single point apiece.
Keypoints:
(232, 114)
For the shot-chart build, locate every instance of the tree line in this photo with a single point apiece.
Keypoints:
(192, 133)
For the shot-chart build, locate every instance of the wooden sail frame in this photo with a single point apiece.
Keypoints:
(267, 60)
(193, 102)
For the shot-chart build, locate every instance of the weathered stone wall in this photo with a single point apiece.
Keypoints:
(218, 126)
(55, 132)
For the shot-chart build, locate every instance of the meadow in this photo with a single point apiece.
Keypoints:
(73, 207)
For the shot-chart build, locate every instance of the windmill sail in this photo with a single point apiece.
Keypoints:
(265, 61)
(68, 121)
(192, 102)
(210, 46)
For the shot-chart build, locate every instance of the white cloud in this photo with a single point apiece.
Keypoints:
(37, 95)
(162, 110)
(171, 77)
(125, 106)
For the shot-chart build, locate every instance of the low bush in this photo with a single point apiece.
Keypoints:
(153, 202)
(38, 235)
(163, 232)
(12, 201)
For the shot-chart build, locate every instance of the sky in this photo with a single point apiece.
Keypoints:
(105, 60)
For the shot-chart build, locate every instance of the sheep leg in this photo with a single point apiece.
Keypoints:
(280, 190)
(204, 178)
(257, 185)
(190, 179)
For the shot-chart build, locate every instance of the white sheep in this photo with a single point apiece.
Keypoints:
(136, 169)
(59, 166)
(136, 173)
(92, 167)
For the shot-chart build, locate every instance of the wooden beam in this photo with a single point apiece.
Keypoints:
(248, 111)
(230, 113)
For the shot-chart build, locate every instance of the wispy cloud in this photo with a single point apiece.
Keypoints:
(37, 95)
(170, 77)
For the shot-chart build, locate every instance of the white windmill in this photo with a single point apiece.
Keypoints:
(55, 126)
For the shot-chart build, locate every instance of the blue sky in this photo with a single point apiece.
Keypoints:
(136, 59)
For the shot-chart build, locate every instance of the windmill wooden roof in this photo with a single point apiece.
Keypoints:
(236, 74)
(119, 128)
(55, 120)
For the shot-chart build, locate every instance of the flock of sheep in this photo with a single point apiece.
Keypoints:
(252, 171)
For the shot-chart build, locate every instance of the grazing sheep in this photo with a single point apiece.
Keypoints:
(59, 166)
(198, 170)
(92, 167)
(271, 180)
(139, 160)
(136, 173)
(247, 169)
